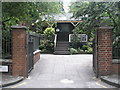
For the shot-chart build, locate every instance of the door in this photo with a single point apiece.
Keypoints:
(63, 34)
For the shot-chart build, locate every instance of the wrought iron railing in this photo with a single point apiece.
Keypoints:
(116, 48)
(116, 53)
(6, 45)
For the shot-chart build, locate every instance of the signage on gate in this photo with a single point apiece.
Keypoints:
(3, 68)
(82, 37)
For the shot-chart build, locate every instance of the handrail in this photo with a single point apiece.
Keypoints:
(70, 37)
(55, 40)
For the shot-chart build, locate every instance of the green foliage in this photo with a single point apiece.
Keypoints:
(80, 51)
(90, 50)
(97, 14)
(46, 46)
(73, 51)
(75, 41)
(18, 12)
(49, 33)
(85, 47)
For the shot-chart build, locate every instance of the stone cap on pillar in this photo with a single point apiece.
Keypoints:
(105, 27)
(18, 27)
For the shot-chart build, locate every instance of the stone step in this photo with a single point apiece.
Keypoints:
(62, 45)
(62, 42)
(62, 48)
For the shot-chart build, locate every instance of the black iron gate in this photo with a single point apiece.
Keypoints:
(30, 52)
(95, 60)
(6, 45)
(116, 47)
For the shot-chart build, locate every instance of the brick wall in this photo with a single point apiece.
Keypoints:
(104, 50)
(19, 51)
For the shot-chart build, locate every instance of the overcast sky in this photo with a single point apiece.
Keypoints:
(66, 4)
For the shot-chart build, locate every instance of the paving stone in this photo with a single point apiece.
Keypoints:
(50, 70)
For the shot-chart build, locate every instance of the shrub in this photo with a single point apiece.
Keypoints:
(46, 45)
(75, 41)
(49, 33)
(73, 51)
(42, 46)
(85, 47)
(90, 50)
(80, 51)
(46, 51)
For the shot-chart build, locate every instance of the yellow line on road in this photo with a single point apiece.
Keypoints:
(101, 85)
(18, 85)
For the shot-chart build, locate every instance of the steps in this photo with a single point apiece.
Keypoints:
(62, 48)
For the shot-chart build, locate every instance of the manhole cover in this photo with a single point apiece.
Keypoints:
(67, 81)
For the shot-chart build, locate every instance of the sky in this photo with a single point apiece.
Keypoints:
(66, 4)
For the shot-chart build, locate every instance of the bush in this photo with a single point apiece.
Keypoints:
(46, 46)
(80, 51)
(42, 46)
(85, 47)
(49, 33)
(46, 51)
(75, 41)
(90, 50)
(73, 51)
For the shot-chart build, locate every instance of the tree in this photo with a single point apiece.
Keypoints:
(16, 12)
(97, 13)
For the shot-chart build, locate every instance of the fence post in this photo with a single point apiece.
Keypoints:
(19, 50)
(104, 51)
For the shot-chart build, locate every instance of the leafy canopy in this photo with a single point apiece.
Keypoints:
(17, 12)
(96, 14)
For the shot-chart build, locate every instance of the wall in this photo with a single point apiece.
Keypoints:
(36, 56)
(116, 66)
(104, 54)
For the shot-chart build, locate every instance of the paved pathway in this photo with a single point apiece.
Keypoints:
(62, 71)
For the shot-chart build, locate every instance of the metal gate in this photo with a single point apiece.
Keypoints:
(95, 59)
(116, 47)
(30, 52)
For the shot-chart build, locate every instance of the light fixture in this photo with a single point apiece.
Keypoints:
(57, 30)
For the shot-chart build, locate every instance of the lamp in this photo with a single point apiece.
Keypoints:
(57, 30)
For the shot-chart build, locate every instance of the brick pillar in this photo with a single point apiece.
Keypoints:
(19, 60)
(104, 50)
